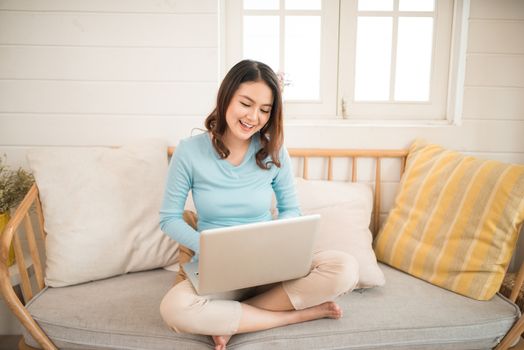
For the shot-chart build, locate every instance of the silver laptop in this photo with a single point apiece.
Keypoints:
(253, 254)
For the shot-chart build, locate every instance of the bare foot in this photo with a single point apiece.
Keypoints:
(328, 309)
(221, 341)
(332, 310)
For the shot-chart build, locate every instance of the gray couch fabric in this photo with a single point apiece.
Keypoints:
(407, 313)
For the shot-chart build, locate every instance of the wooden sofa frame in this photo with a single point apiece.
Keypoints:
(12, 235)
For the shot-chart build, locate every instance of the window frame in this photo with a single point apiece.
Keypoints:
(326, 105)
(335, 93)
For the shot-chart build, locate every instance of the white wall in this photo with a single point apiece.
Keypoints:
(99, 72)
(102, 72)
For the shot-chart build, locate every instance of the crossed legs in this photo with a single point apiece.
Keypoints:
(273, 309)
(333, 273)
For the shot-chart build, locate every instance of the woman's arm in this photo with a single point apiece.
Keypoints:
(178, 184)
(284, 187)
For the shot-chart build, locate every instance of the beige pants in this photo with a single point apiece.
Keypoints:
(332, 273)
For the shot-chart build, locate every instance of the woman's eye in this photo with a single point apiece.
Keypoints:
(265, 111)
(244, 104)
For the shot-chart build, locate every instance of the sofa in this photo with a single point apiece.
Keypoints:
(122, 311)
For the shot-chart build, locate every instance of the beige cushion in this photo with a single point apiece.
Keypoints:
(345, 210)
(455, 220)
(101, 210)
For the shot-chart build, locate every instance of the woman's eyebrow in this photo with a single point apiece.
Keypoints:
(251, 100)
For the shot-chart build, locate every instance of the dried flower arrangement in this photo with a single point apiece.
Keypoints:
(14, 184)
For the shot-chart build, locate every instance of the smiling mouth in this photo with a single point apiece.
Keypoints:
(246, 125)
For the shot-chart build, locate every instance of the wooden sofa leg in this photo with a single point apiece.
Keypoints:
(512, 336)
(23, 346)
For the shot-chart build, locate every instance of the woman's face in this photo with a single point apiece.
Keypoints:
(249, 110)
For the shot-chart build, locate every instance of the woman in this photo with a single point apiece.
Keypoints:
(233, 170)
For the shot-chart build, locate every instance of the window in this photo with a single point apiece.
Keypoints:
(355, 59)
(297, 38)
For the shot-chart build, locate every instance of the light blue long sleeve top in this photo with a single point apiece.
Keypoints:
(223, 194)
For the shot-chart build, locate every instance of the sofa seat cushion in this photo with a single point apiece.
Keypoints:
(407, 313)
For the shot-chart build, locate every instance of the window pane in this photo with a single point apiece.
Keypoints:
(375, 5)
(302, 57)
(261, 4)
(261, 39)
(416, 5)
(303, 4)
(413, 71)
(373, 58)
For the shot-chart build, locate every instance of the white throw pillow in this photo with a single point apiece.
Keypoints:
(345, 210)
(101, 210)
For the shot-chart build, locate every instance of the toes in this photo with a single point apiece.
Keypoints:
(219, 341)
(334, 310)
(339, 311)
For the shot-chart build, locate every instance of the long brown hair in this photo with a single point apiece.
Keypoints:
(271, 135)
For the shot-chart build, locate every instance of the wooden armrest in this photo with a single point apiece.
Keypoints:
(11, 235)
(519, 280)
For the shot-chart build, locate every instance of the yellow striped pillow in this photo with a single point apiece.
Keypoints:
(455, 220)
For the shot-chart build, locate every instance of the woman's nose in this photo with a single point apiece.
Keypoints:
(253, 115)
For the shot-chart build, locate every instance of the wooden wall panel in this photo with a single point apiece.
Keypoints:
(494, 70)
(139, 6)
(488, 36)
(500, 103)
(84, 98)
(108, 29)
(109, 63)
(497, 9)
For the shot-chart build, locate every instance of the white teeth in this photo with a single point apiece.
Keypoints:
(246, 124)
